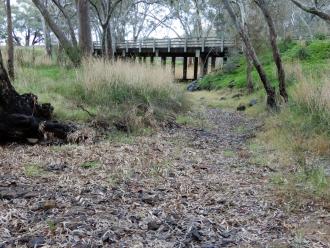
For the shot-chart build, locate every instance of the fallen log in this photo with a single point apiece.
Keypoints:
(22, 118)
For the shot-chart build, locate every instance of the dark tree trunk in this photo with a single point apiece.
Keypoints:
(276, 53)
(10, 41)
(47, 38)
(22, 117)
(270, 91)
(249, 80)
(85, 36)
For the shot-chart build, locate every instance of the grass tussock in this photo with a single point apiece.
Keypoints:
(312, 95)
(297, 140)
(134, 94)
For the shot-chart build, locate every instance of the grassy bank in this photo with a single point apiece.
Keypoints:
(295, 142)
(132, 95)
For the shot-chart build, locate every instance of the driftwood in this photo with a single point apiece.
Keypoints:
(22, 118)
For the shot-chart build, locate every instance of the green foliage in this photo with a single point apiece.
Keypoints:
(320, 36)
(90, 165)
(33, 170)
(302, 54)
(314, 55)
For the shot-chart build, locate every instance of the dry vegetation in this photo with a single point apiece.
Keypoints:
(134, 96)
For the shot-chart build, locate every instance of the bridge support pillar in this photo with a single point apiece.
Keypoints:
(203, 65)
(185, 68)
(152, 60)
(213, 60)
(173, 64)
(195, 67)
(163, 61)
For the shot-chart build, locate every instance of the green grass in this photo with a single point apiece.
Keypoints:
(33, 170)
(135, 95)
(317, 59)
(90, 165)
(296, 134)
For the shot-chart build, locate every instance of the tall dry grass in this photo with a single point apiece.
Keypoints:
(311, 93)
(137, 94)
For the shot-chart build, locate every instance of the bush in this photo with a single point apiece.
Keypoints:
(302, 53)
(232, 63)
(286, 44)
(320, 36)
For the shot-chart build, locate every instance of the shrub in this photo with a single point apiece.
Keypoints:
(320, 36)
(302, 53)
(232, 63)
(286, 44)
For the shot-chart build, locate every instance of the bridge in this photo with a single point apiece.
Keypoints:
(200, 49)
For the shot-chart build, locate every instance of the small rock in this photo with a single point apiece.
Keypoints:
(56, 167)
(237, 95)
(195, 234)
(49, 204)
(36, 242)
(193, 86)
(252, 102)
(153, 225)
(241, 107)
(108, 237)
(222, 98)
(150, 199)
(32, 140)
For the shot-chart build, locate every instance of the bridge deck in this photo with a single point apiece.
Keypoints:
(200, 48)
(214, 46)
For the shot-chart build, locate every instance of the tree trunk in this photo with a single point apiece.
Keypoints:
(106, 42)
(22, 118)
(47, 38)
(109, 43)
(249, 80)
(270, 91)
(10, 41)
(276, 53)
(71, 50)
(85, 36)
(27, 38)
(312, 10)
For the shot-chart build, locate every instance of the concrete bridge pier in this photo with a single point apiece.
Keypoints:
(185, 68)
(173, 65)
(195, 68)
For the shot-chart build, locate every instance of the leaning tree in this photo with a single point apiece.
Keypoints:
(22, 118)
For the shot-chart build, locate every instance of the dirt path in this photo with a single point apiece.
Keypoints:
(182, 187)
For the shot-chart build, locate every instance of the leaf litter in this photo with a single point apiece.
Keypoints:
(179, 187)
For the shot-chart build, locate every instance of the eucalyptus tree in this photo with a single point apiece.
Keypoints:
(315, 9)
(241, 29)
(28, 22)
(263, 5)
(10, 40)
(85, 33)
(104, 10)
(69, 44)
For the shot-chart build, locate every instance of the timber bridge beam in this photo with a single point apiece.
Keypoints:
(201, 49)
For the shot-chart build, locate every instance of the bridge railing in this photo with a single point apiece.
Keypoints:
(185, 43)
(172, 43)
